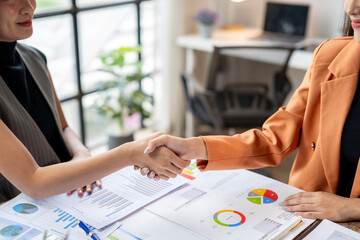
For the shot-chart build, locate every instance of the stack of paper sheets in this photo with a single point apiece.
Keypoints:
(121, 194)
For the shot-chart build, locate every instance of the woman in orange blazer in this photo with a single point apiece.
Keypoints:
(313, 121)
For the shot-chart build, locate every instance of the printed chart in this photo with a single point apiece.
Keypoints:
(262, 196)
(229, 218)
(105, 199)
(189, 172)
(144, 225)
(122, 193)
(65, 219)
(230, 205)
(42, 215)
(146, 186)
(267, 226)
(25, 208)
(56, 219)
(10, 229)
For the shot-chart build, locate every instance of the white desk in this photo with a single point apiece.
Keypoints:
(300, 59)
(188, 213)
(209, 207)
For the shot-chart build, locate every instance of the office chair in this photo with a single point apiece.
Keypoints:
(239, 104)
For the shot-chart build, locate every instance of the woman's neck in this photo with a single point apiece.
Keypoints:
(7, 53)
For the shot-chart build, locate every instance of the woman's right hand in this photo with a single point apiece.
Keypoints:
(185, 148)
(162, 160)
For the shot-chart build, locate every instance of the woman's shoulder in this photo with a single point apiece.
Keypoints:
(33, 50)
(329, 49)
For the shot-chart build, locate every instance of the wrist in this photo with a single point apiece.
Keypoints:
(353, 209)
(198, 146)
(131, 153)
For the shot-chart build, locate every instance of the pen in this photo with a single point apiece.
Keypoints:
(286, 228)
(87, 231)
(44, 236)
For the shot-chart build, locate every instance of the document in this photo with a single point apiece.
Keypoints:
(13, 228)
(328, 230)
(122, 193)
(230, 205)
(45, 216)
(146, 225)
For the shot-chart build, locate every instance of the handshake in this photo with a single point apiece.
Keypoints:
(166, 156)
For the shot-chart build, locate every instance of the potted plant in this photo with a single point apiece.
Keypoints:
(206, 19)
(122, 95)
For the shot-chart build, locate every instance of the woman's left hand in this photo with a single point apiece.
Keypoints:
(322, 205)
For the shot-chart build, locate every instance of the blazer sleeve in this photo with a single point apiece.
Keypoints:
(256, 148)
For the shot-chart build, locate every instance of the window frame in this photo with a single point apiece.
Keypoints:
(74, 10)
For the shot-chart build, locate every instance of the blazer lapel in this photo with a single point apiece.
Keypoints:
(336, 99)
(41, 78)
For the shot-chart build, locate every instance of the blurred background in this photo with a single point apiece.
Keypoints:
(74, 34)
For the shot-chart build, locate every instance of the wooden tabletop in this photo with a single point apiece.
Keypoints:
(354, 225)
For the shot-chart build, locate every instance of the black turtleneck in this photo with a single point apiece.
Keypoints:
(350, 147)
(23, 86)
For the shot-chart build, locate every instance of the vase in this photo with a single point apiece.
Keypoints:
(117, 140)
(205, 30)
(117, 136)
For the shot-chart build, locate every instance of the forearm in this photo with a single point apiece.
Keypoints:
(63, 177)
(76, 147)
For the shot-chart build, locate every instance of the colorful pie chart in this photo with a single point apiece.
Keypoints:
(262, 196)
(25, 208)
(11, 231)
(229, 218)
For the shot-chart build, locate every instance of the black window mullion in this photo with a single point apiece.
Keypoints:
(74, 14)
(74, 11)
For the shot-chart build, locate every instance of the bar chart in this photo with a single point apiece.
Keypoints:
(121, 193)
(146, 186)
(106, 199)
(67, 220)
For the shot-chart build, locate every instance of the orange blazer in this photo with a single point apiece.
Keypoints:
(312, 121)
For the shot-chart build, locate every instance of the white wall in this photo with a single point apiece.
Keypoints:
(174, 18)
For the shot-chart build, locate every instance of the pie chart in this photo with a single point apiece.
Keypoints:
(25, 208)
(262, 196)
(11, 231)
(229, 218)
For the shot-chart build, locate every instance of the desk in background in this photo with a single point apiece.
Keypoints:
(300, 59)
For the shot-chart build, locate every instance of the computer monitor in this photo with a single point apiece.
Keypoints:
(286, 19)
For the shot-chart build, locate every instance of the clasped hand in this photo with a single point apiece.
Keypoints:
(160, 162)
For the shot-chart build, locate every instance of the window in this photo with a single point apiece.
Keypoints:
(72, 34)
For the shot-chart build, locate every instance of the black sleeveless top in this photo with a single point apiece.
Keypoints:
(350, 147)
(22, 85)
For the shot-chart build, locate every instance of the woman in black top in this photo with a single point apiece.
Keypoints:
(76, 167)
